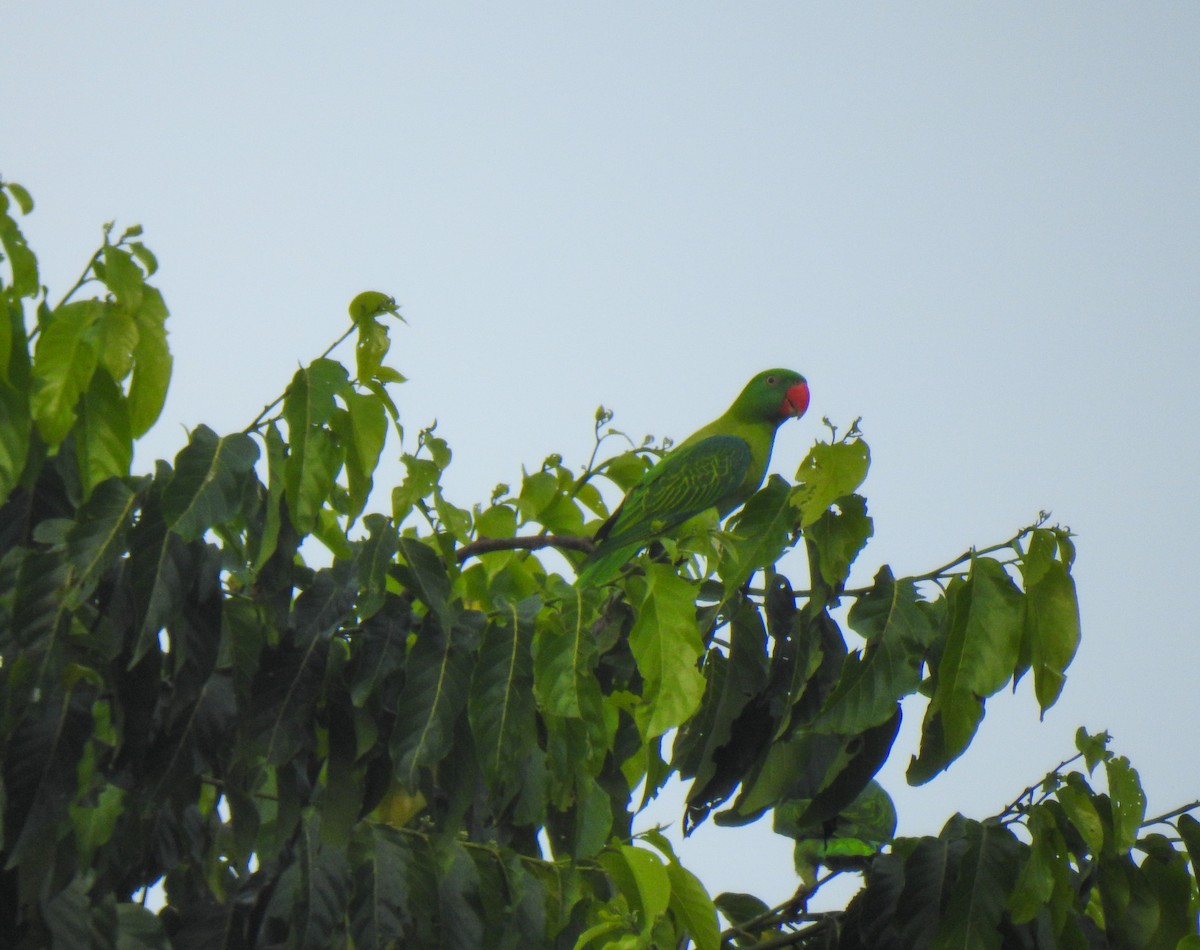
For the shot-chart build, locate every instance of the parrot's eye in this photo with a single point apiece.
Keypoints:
(772, 380)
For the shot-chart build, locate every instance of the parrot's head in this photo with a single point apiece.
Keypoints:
(774, 394)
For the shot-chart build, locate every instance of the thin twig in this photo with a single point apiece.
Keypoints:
(258, 420)
(568, 542)
(1173, 813)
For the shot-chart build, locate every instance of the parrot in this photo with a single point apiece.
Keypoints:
(718, 466)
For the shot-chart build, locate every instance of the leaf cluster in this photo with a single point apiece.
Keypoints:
(421, 733)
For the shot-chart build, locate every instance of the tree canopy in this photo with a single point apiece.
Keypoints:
(315, 723)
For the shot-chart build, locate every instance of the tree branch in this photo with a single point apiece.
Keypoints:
(567, 542)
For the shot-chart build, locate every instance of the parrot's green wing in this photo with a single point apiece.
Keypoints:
(686, 482)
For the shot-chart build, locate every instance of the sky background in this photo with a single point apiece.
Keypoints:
(976, 226)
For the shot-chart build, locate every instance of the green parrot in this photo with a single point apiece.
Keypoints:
(719, 466)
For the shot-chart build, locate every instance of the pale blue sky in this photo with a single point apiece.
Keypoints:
(975, 225)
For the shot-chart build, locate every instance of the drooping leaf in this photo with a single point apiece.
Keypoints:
(1052, 629)
(103, 441)
(500, 705)
(160, 562)
(986, 613)
(364, 432)
(665, 642)
(206, 488)
(39, 769)
(1128, 802)
(97, 538)
(980, 893)
(436, 681)
(838, 536)
(63, 362)
(889, 667)
(424, 573)
(564, 653)
(151, 363)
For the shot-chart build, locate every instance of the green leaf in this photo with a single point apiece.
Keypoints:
(564, 653)
(1047, 860)
(500, 707)
(370, 304)
(1128, 802)
(318, 903)
(309, 399)
(665, 642)
(117, 337)
(371, 348)
(761, 532)
(829, 472)
(889, 668)
(394, 891)
(979, 895)
(145, 257)
(1052, 630)
(1076, 801)
(122, 276)
(206, 489)
(718, 744)
(63, 362)
(985, 618)
(642, 878)
(139, 928)
(1094, 748)
(313, 462)
(25, 281)
(103, 442)
(261, 545)
(1189, 831)
(23, 198)
(930, 869)
(838, 535)
(151, 363)
(97, 539)
(363, 435)
(436, 682)
(423, 572)
(160, 564)
(40, 763)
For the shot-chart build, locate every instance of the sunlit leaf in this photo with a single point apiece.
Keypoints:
(665, 643)
(64, 359)
(828, 472)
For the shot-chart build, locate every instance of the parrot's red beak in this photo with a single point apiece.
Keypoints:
(795, 401)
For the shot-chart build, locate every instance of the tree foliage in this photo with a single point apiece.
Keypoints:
(313, 724)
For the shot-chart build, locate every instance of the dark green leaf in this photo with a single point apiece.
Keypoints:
(838, 535)
(206, 489)
(437, 676)
(889, 667)
(500, 706)
(97, 538)
(103, 440)
(985, 618)
(980, 893)
(39, 769)
(1189, 831)
(759, 534)
(424, 574)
